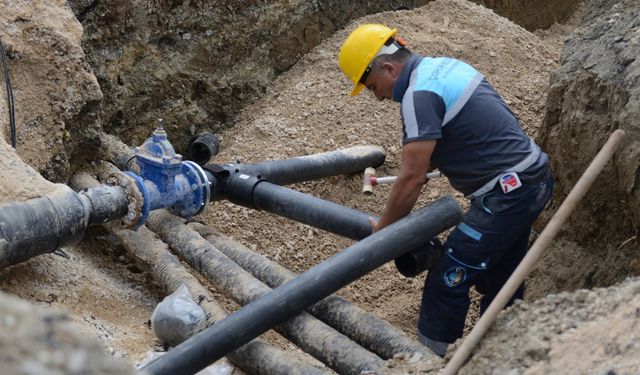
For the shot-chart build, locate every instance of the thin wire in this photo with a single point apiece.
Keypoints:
(7, 80)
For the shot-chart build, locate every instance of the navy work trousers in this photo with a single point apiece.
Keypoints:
(483, 251)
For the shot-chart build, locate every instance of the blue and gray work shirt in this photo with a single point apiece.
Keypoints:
(478, 137)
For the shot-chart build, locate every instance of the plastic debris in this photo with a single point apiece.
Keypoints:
(177, 317)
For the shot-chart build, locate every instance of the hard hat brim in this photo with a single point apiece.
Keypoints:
(357, 89)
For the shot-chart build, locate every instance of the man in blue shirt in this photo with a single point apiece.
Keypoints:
(455, 121)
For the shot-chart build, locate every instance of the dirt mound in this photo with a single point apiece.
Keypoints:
(308, 110)
(586, 332)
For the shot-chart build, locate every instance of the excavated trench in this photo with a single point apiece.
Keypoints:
(264, 77)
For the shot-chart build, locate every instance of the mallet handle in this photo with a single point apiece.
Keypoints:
(392, 179)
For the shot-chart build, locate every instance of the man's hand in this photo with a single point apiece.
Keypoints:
(416, 162)
(374, 224)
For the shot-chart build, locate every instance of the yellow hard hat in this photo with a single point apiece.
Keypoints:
(360, 48)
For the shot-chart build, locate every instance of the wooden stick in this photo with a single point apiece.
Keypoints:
(536, 251)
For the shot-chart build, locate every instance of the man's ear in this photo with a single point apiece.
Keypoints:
(391, 68)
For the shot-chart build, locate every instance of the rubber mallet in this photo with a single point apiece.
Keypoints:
(370, 180)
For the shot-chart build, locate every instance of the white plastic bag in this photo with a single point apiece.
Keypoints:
(177, 317)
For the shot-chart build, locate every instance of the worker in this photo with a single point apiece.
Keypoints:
(455, 121)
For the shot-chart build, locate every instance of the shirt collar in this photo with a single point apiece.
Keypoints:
(402, 83)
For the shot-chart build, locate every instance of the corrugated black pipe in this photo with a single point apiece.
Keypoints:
(256, 357)
(312, 167)
(310, 287)
(42, 225)
(367, 329)
(203, 147)
(313, 336)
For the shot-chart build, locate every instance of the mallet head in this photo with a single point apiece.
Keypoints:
(368, 181)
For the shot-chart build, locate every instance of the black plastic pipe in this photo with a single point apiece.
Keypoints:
(42, 225)
(252, 192)
(310, 287)
(312, 335)
(365, 328)
(312, 167)
(249, 191)
(203, 147)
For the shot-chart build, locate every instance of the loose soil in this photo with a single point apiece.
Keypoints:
(306, 110)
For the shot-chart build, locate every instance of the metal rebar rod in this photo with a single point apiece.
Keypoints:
(537, 249)
(367, 329)
(313, 336)
(308, 288)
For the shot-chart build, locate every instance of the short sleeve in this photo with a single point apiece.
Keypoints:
(422, 115)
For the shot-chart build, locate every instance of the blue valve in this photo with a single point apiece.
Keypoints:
(165, 181)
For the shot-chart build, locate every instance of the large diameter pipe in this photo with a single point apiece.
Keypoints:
(312, 335)
(310, 287)
(367, 329)
(42, 225)
(313, 167)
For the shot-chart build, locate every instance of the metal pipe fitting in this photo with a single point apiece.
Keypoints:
(168, 182)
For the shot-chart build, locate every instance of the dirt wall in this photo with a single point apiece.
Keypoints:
(532, 15)
(197, 63)
(586, 332)
(55, 91)
(597, 90)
